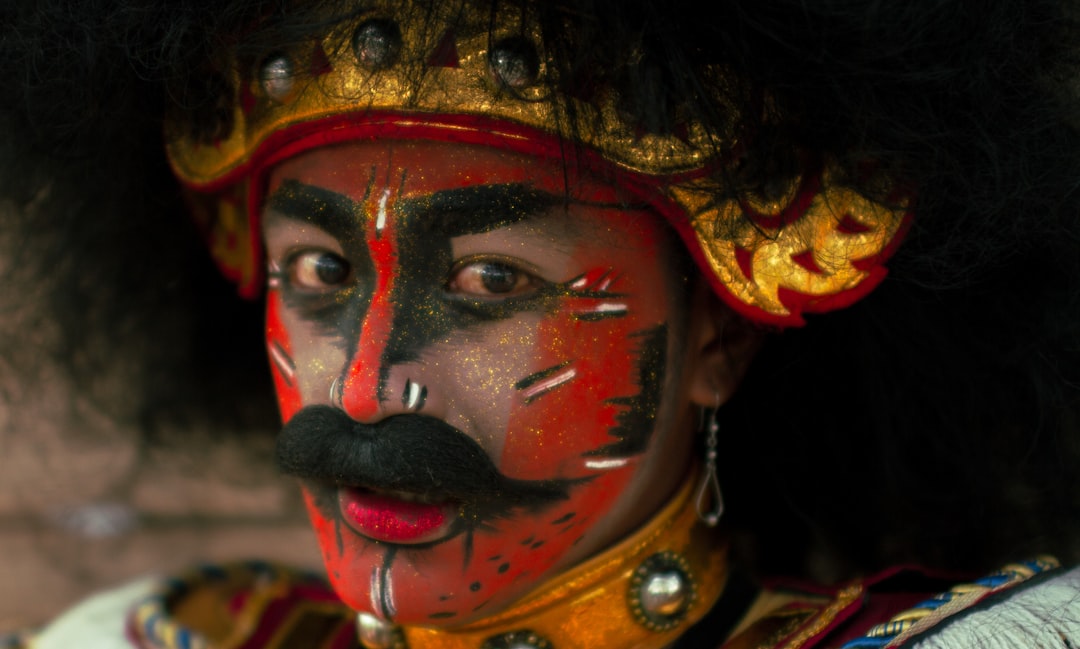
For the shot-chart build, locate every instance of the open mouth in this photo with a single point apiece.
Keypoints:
(397, 516)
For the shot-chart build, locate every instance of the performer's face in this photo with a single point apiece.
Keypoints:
(481, 367)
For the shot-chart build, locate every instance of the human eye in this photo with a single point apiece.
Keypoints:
(490, 278)
(317, 271)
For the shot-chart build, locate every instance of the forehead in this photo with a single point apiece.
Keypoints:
(411, 168)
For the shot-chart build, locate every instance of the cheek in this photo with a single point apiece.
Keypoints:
(563, 410)
(589, 407)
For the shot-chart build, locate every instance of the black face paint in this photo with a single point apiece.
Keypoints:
(336, 313)
(637, 419)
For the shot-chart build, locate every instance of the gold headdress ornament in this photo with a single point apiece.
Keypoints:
(819, 247)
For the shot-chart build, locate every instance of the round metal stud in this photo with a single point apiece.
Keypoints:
(276, 77)
(664, 593)
(514, 62)
(377, 43)
(517, 640)
(661, 591)
(376, 634)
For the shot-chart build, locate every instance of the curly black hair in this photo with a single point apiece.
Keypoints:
(934, 421)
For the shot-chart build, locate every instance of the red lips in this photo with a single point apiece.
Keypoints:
(386, 518)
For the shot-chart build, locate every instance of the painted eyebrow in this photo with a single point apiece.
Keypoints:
(448, 213)
(476, 209)
(336, 213)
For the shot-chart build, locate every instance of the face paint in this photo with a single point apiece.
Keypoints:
(476, 367)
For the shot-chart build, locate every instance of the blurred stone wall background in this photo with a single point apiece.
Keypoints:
(87, 501)
(85, 509)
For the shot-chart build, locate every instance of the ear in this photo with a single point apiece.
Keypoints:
(722, 345)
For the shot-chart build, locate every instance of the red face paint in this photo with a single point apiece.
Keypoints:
(530, 319)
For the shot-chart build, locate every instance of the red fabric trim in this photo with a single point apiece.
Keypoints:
(806, 261)
(866, 263)
(849, 225)
(745, 259)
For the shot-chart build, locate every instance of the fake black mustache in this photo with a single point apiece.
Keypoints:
(411, 453)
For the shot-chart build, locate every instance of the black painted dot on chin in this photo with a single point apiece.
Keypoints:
(442, 615)
(475, 586)
(503, 568)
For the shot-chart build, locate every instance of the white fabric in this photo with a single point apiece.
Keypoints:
(98, 622)
(1042, 616)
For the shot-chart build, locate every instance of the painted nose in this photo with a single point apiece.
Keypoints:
(364, 384)
(380, 380)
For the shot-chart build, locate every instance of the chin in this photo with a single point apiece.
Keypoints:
(463, 574)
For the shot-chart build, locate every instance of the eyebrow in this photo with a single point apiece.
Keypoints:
(476, 209)
(336, 213)
(449, 212)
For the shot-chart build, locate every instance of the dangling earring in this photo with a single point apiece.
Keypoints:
(710, 485)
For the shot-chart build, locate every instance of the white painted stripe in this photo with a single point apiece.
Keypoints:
(610, 307)
(273, 274)
(388, 596)
(606, 464)
(281, 361)
(380, 220)
(376, 593)
(549, 383)
(414, 395)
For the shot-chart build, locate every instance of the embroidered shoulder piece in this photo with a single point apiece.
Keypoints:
(249, 605)
(928, 613)
(802, 623)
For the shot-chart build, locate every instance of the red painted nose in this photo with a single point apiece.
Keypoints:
(363, 389)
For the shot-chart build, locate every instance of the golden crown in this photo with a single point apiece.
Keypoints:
(482, 80)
